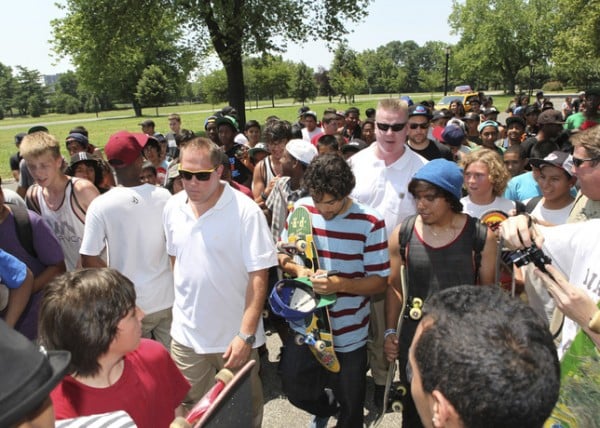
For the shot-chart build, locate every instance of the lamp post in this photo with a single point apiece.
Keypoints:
(531, 64)
(448, 50)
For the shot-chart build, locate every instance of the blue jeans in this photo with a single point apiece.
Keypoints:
(304, 381)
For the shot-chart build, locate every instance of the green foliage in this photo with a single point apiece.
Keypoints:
(112, 43)
(29, 94)
(576, 53)
(65, 103)
(7, 88)
(239, 27)
(154, 88)
(499, 38)
(213, 87)
(304, 86)
(552, 86)
(347, 78)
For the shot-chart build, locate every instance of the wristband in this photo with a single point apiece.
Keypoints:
(594, 323)
(389, 332)
(264, 196)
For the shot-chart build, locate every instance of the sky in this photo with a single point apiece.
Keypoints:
(25, 35)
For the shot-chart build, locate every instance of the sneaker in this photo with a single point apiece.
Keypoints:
(318, 421)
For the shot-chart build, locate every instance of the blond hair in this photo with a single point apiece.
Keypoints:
(589, 140)
(38, 144)
(497, 172)
(201, 143)
(392, 104)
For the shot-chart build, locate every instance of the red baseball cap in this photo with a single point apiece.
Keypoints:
(124, 147)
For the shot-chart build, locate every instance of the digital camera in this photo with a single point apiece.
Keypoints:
(533, 255)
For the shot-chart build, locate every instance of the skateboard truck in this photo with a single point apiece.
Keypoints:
(415, 308)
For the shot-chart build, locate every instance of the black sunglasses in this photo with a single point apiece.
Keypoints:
(578, 162)
(396, 127)
(203, 175)
(418, 125)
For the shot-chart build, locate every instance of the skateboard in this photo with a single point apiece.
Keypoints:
(227, 404)
(578, 404)
(317, 326)
(392, 398)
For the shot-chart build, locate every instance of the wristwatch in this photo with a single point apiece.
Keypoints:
(249, 339)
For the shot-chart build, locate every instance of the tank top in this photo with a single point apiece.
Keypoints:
(65, 223)
(430, 269)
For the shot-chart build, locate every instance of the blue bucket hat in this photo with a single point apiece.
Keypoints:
(443, 174)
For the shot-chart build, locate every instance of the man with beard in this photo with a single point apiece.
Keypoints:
(418, 125)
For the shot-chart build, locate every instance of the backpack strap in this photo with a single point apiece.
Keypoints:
(74, 201)
(406, 231)
(23, 228)
(532, 203)
(31, 198)
(520, 207)
(479, 238)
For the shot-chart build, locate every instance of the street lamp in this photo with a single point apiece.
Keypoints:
(448, 50)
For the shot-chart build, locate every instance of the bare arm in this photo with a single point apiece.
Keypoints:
(86, 192)
(487, 270)
(18, 299)
(238, 352)
(366, 286)
(393, 297)
(572, 301)
(48, 275)
(92, 261)
(258, 181)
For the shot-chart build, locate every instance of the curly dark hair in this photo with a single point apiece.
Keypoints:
(329, 174)
(278, 130)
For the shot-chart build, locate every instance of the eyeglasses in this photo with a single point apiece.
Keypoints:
(418, 125)
(202, 175)
(578, 162)
(396, 127)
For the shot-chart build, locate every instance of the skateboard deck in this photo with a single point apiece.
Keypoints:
(392, 397)
(579, 398)
(317, 334)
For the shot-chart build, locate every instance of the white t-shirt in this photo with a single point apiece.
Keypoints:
(498, 204)
(574, 250)
(385, 188)
(559, 216)
(214, 255)
(128, 221)
(309, 135)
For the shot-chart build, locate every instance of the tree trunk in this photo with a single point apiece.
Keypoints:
(137, 108)
(235, 87)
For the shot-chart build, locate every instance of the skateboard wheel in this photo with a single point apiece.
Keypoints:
(299, 340)
(224, 375)
(415, 314)
(397, 407)
(417, 302)
(265, 314)
(301, 245)
(401, 390)
(320, 345)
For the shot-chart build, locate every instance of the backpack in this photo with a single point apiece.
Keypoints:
(23, 228)
(408, 225)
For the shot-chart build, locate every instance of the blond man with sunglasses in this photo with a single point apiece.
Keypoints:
(126, 223)
(383, 171)
(418, 128)
(221, 249)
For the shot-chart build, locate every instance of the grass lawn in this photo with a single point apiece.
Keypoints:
(192, 117)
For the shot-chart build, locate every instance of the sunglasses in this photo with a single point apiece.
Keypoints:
(418, 125)
(396, 127)
(578, 162)
(203, 175)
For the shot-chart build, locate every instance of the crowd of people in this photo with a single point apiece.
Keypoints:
(143, 268)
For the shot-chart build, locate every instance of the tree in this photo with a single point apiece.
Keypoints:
(29, 94)
(304, 87)
(499, 38)
(154, 88)
(213, 87)
(324, 83)
(346, 73)
(576, 54)
(241, 27)
(7, 88)
(112, 43)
